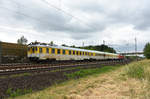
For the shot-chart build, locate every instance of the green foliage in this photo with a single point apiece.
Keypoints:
(147, 51)
(140, 70)
(86, 72)
(51, 43)
(64, 45)
(103, 48)
(19, 75)
(17, 92)
(135, 71)
(22, 40)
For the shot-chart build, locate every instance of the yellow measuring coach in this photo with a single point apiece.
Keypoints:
(47, 52)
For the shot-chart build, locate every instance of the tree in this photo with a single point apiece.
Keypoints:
(51, 43)
(147, 50)
(103, 48)
(64, 45)
(22, 40)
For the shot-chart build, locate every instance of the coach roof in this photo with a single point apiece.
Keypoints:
(69, 48)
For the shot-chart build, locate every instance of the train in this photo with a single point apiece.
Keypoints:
(17, 53)
(48, 52)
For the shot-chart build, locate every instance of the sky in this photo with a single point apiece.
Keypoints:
(72, 22)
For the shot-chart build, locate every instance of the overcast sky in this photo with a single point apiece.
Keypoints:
(72, 22)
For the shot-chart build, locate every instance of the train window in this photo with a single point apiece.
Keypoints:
(41, 50)
(47, 50)
(80, 53)
(33, 50)
(76, 52)
(53, 50)
(73, 52)
(36, 48)
(85, 53)
(58, 51)
(69, 52)
(64, 52)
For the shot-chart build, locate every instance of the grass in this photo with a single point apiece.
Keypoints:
(82, 74)
(140, 70)
(135, 71)
(17, 92)
(123, 82)
(86, 72)
(16, 75)
(19, 75)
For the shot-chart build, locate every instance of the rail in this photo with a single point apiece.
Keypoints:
(30, 67)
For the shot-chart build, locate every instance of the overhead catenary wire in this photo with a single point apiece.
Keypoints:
(67, 13)
(17, 12)
(50, 5)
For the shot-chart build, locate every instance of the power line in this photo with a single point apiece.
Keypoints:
(51, 5)
(59, 9)
(17, 12)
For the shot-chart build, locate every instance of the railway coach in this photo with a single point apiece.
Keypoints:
(48, 52)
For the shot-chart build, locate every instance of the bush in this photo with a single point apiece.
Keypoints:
(17, 92)
(147, 51)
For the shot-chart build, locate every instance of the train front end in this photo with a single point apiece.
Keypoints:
(33, 53)
(121, 57)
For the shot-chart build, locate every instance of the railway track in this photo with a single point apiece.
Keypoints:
(8, 69)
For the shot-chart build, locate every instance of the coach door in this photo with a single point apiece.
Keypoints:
(40, 52)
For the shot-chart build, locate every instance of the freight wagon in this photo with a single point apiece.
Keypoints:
(12, 53)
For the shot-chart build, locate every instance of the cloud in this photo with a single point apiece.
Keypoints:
(94, 19)
(43, 18)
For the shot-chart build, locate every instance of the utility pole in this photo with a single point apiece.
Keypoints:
(103, 42)
(82, 44)
(136, 46)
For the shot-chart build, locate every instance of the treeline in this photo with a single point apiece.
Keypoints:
(103, 48)
(147, 51)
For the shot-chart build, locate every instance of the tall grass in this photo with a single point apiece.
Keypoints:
(135, 71)
(140, 70)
